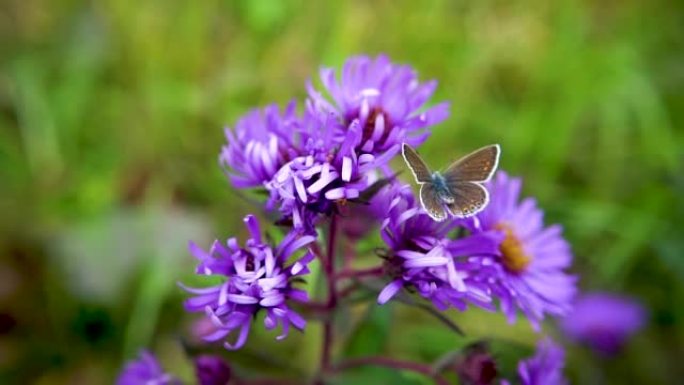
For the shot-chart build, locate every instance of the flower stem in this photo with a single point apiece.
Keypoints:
(332, 294)
(392, 363)
(359, 273)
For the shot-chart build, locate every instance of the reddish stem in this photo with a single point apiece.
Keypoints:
(392, 363)
(329, 267)
(349, 253)
(359, 273)
(319, 307)
(348, 290)
(269, 381)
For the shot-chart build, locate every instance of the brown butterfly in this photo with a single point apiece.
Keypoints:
(459, 189)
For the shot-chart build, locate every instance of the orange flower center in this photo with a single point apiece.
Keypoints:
(514, 257)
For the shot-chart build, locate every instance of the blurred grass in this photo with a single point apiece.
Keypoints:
(111, 116)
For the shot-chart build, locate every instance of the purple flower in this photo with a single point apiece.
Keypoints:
(143, 371)
(212, 370)
(528, 271)
(328, 170)
(262, 142)
(422, 256)
(334, 151)
(544, 368)
(385, 98)
(257, 278)
(604, 321)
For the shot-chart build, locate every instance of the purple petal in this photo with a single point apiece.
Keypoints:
(346, 169)
(272, 300)
(335, 194)
(242, 299)
(389, 291)
(297, 320)
(426, 262)
(242, 338)
(298, 295)
(253, 227)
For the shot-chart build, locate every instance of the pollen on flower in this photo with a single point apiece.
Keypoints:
(514, 257)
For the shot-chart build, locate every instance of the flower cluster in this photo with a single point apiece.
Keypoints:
(333, 151)
(324, 162)
(327, 168)
(311, 164)
(508, 254)
(423, 256)
(257, 278)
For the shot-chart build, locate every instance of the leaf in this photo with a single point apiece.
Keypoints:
(376, 375)
(408, 300)
(370, 335)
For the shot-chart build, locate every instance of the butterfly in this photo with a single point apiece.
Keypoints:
(458, 189)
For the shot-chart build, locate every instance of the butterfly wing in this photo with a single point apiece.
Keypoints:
(420, 170)
(432, 203)
(478, 166)
(469, 199)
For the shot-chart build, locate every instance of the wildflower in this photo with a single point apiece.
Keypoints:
(262, 142)
(529, 268)
(544, 368)
(385, 98)
(145, 370)
(328, 170)
(604, 321)
(257, 278)
(423, 257)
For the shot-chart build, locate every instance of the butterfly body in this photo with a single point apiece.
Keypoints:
(441, 188)
(459, 189)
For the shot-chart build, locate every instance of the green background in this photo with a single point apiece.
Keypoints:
(112, 115)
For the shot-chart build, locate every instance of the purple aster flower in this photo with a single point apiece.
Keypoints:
(257, 278)
(144, 371)
(327, 171)
(604, 321)
(529, 268)
(544, 368)
(262, 142)
(423, 257)
(385, 98)
(212, 370)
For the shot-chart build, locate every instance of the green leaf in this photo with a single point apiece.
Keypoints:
(370, 335)
(377, 375)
